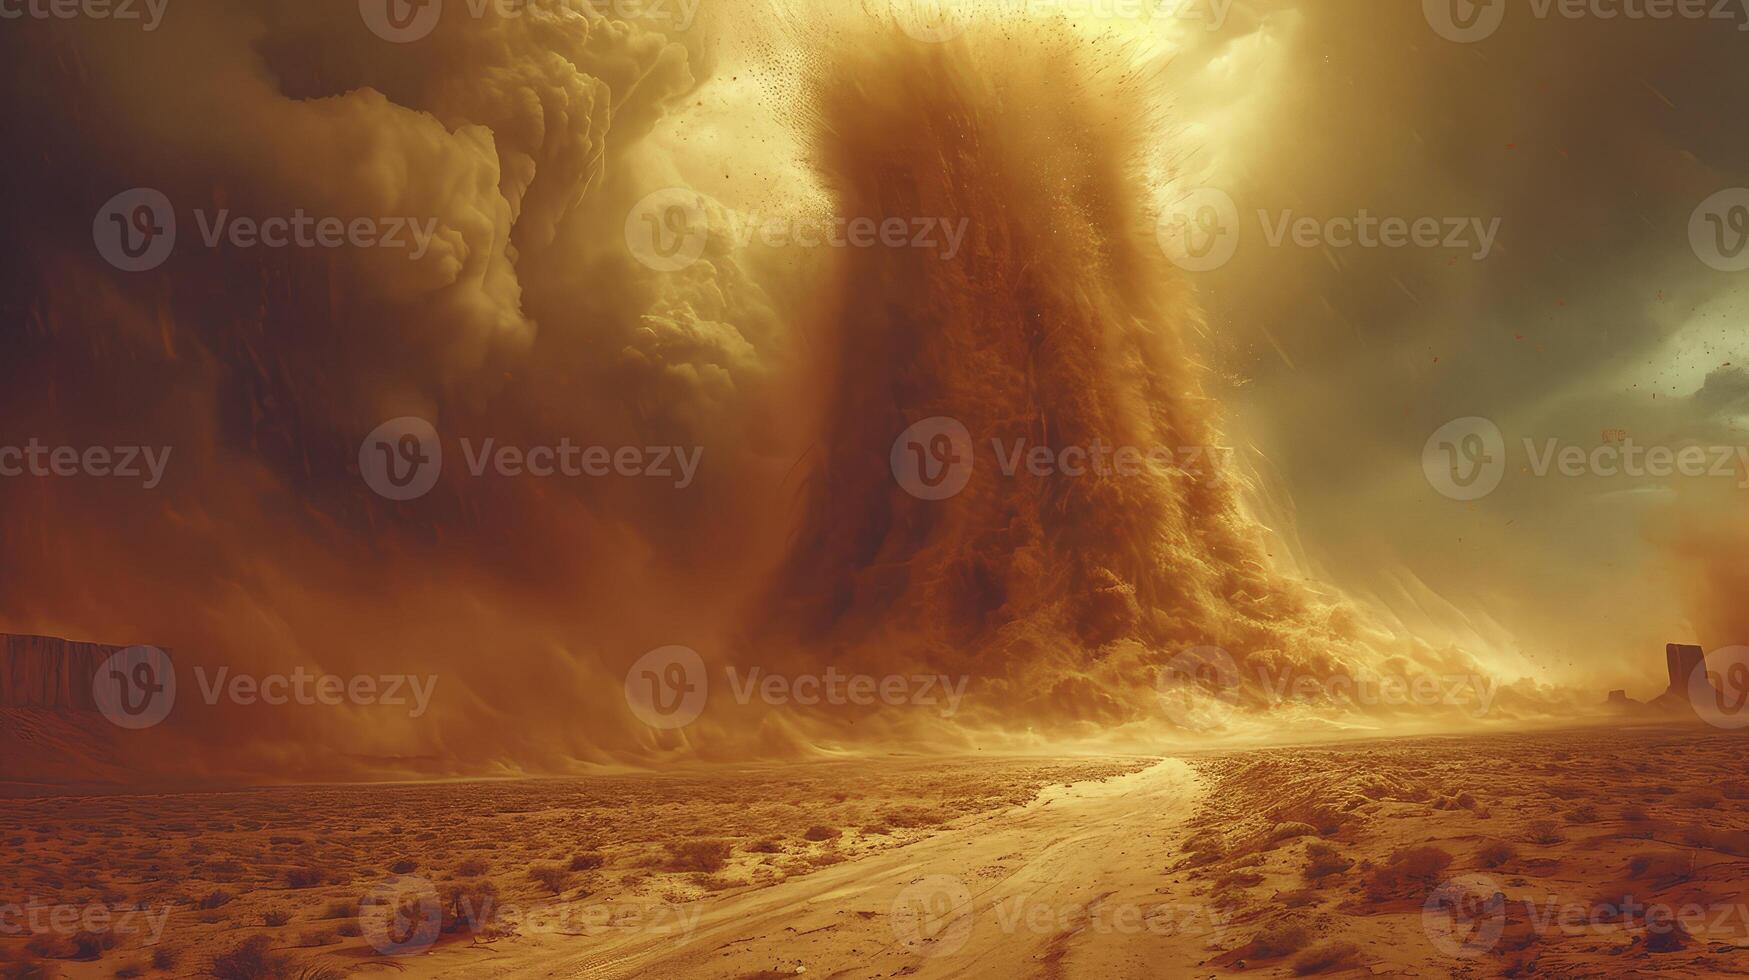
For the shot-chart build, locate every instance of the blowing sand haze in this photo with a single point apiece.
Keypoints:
(753, 488)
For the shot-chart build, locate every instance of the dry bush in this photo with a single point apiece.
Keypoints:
(405, 866)
(551, 876)
(1408, 871)
(819, 832)
(274, 918)
(1543, 832)
(1324, 865)
(698, 855)
(1280, 939)
(1296, 899)
(1584, 813)
(217, 899)
(766, 846)
(1326, 956)
(471, 906)
(587, 861)
(304, 877)
(471, 868)
(1496, 853)
(1660, 869)
(340, 909)
(1699, 799)
(253, 959)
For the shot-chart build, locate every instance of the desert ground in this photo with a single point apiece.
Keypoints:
(1579, 853)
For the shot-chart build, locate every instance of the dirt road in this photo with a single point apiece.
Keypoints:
(1074, 884)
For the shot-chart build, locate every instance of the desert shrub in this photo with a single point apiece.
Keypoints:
(820, 832)
(1496, 853)
(1238, 879)
(1665, 933)
(471, 868)
(88, 945)
(1699, 799)
(550, 876)
(317, 937)
(1290, 830)
(1660, 869)
(699, 855)
(912, 815)
(1635, 813)
(304, 877)
(1280, 939)
(274, 918)
(216, 899)
(28, 970)
(587, 861)
(1325, 956)
(1324, 865)
(351, 930)
(1408, 871)
(251, 960)
(129, 971)
(50, 947)
(165, 958)
(1543, 832)
(768, 846)
(404, 866)
(1584, 813)
(1297, 899)
(471, 906)
(340, 909)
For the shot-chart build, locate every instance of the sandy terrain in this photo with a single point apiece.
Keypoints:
(1600, 852)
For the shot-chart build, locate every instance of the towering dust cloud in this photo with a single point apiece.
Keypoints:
(1060, 325)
